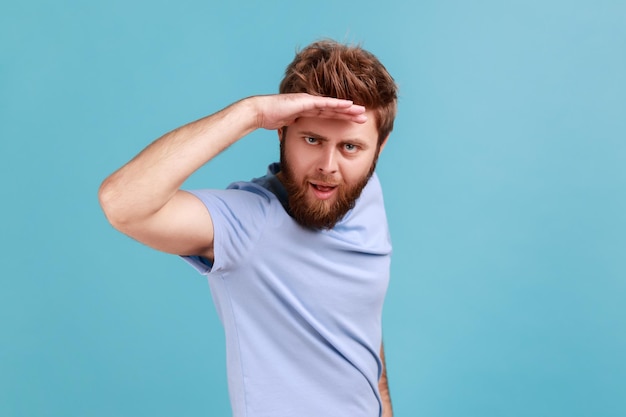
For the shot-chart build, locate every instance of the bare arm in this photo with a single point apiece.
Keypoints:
(383, 387)
(142, 199)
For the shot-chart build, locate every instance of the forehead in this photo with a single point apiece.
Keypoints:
(339, 130)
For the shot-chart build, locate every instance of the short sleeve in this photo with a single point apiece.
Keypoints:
(239, 217)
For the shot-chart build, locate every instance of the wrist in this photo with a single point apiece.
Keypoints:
(250, 113)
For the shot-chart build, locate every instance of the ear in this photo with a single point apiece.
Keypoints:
(280, 133)
(382, 145)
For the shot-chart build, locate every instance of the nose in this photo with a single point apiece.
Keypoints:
(327, 163)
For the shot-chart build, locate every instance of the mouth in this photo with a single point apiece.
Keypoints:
(323, 191)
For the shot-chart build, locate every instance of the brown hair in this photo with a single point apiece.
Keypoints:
(328, 68)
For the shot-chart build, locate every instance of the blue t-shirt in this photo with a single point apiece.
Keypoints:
(301, 309)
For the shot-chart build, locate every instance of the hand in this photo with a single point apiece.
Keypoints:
(276, 111)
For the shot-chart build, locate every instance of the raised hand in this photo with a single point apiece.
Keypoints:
(276, 111)
(159, 216)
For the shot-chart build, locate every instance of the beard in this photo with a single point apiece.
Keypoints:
(319, 214)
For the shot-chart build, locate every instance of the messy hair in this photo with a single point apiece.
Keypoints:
(328, 68)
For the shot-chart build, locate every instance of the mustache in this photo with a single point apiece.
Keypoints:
(323, 178)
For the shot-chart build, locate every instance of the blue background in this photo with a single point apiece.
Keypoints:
(504, 181)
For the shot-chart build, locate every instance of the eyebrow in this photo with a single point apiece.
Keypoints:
(355, 141)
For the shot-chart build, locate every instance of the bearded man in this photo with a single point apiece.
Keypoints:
(297, 260)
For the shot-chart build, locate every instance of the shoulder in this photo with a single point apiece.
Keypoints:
(239, 216)
(238, 193)
(365, 226)
(243, 205)
(371, 199)
(373, 189)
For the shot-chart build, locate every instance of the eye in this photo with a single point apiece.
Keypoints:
(350, 147)
(310, 140)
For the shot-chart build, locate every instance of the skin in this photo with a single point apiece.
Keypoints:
(327, 158)
(143, 198)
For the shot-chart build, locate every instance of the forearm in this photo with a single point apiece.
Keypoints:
(146, 183)
(383, 387)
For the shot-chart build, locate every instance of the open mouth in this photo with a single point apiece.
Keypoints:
(323, 188)
(323, 191)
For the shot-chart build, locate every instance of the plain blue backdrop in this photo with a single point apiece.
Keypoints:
(504, 181)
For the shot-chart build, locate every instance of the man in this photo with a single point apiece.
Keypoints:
(298, 260)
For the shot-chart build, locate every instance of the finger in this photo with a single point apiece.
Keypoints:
(342, 112)
(358, 116)
(320, 102)
(351, 109)
(354, 109)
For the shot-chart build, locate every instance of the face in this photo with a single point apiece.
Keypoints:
(325, 163)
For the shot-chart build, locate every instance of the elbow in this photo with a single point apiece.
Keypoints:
(109, 199)
(121, 207)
